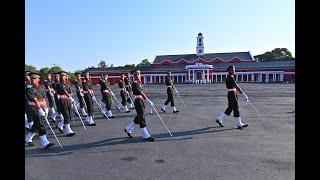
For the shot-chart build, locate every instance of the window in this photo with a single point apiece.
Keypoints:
(200, 40)
(200, 51)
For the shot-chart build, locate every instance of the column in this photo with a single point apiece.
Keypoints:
(252, 77)
(208, 74)
(281, 77)
(274, 77)
(193, 76)
(203, 76)
(189, 75)
(267, 77)
(144, 80)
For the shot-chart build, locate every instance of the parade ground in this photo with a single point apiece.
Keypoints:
(199, 148)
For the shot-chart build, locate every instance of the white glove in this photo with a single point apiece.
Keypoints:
(41, 112)
(176, 90)
(112, 93)
(150, 102)
(51, 94)
(81, 94)
(245, 96)
(71, 100)
(93, 97)
(46, 111)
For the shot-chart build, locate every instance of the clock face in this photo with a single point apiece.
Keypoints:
(200, 51)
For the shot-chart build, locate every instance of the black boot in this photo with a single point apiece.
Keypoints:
(219, 123)
(243, 126)
(129, 134)
(71, 134)
(49, 145)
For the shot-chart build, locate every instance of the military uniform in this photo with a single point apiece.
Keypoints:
(50, 97)
(170, 88)
(60, 116)
(87, 85)
(232, 96)
(124, 94)
(106, 97)
(27, 117)
(140, 107)
(63, 91)
(36, 113)
(129, 90)
(78, 85)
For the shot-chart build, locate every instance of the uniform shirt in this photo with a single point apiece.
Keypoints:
(33, 92)
(127, 83)
(87, 85)
(78, 84)
(121, 84)
(54, 85)
(104, 85)
(230, 82)
(169, 81)
(137, 88)
(48, 83)
(62, 87)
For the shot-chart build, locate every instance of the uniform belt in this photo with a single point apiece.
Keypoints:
(139, 96)
(63, 97)
(234, 89)
(40, 100)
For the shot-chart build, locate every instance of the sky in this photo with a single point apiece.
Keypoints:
(76, 34)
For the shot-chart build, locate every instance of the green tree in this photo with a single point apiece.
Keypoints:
(278, 54)
(30, 68)
(43, 71)
(144, 62)
(55, 69)
(72, 77)
(102, 64)
(130, 66)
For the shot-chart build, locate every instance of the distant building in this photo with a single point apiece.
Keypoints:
(205, 68)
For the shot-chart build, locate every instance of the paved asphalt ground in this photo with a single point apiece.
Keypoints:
(199, 148)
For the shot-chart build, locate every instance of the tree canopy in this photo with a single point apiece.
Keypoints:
(102, 64)
(278, 54)
(144, 62)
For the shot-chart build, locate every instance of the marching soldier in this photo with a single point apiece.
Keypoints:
(80, 95)
(170, 88)
(63, 91)
(139, 103)
(27, 117)
(50, 96)
(106, 94)
(232, 87)
(59, 117)
(129, 90)
(88, 93)
(38, 110)
(123, 93)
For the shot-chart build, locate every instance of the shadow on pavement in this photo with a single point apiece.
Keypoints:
(160, 137)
